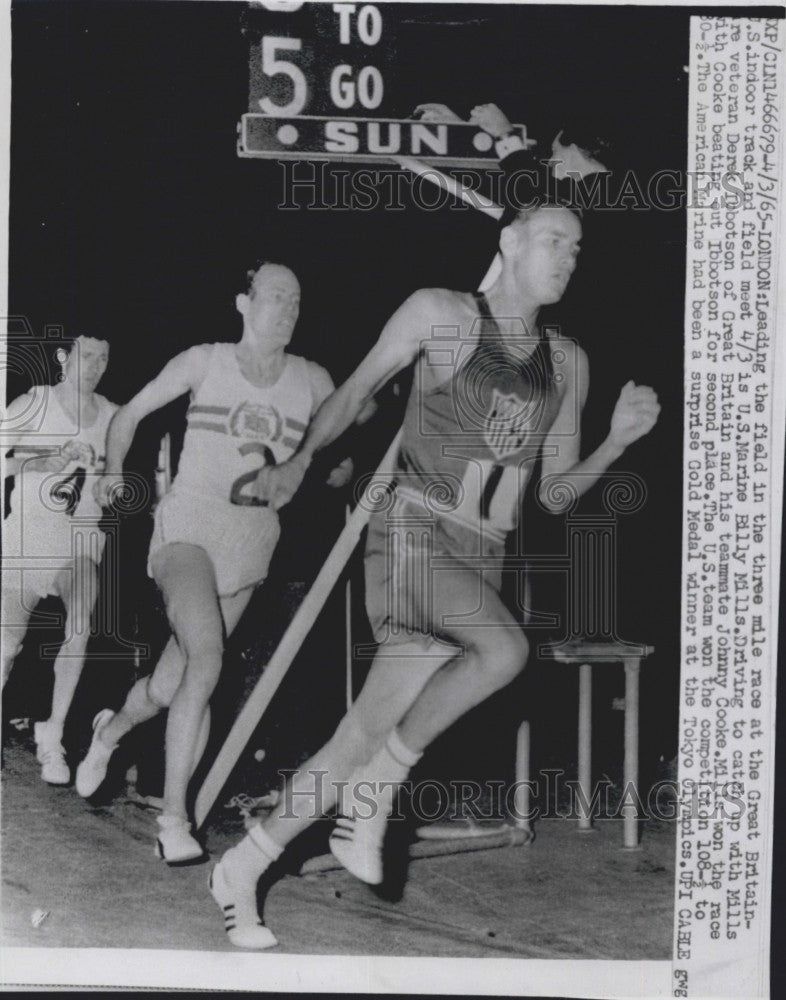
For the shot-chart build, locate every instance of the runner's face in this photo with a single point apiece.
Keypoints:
(546, 252)
(87, 362)
(273, 304)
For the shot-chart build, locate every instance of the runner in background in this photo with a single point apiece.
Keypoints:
(54, 524)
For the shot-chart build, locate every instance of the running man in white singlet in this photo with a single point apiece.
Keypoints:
(213, 537)
(52, 543)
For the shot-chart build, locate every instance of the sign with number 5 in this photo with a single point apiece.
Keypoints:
(320, 59)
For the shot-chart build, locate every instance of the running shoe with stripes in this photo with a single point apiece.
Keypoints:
(357, 839)
(242, 923)
(358, 847)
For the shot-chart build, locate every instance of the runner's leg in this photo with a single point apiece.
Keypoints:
(494, 651)
(422, 694)
(232, 608)
(78, 590)
(18, 602)
(186, 578)
(151, 694)
(393, 683)
(77, 586)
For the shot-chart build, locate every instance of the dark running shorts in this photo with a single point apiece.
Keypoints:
(408, 552)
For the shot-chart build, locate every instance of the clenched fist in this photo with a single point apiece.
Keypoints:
(634, 415)
(277, 484)
(342, 474)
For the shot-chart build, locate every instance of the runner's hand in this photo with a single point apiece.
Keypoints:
(634, 415)
(279, 483)
(107, 488)
(342, 474)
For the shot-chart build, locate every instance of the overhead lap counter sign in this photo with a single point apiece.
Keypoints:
(366, 140)
(322, 85)
(321, 58)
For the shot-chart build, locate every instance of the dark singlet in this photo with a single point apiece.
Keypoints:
(470, 442)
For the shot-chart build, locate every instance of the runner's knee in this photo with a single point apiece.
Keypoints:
(13, 635)
(504, 658)
(203, 666)
(204, 648)
(154, 693)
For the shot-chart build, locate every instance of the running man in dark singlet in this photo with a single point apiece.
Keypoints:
(489, 394)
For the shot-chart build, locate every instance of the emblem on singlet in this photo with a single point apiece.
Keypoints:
(257, 421)
(507, 423)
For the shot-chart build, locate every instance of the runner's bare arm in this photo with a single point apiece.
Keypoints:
(321, 387)
(180, 375)
(398, 345)
(635, 414)
(19, 435)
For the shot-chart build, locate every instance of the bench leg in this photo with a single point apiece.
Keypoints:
(521, 796)
(631, 763)
(585, 743)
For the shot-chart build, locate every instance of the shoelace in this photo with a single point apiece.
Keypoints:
(248, 806)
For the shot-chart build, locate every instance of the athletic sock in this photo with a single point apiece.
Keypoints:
(390, 764)
(379, 779)
(248, 860)
(53, 730)
(358, 837)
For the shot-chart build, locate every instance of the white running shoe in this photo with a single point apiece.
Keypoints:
(51, 755)
(175, 845)
(241, 916)
(357, 844)
(91, 772)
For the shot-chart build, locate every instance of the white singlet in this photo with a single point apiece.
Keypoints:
(234, 429)
(54, 516)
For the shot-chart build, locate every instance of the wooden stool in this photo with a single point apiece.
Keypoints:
(583, 654)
